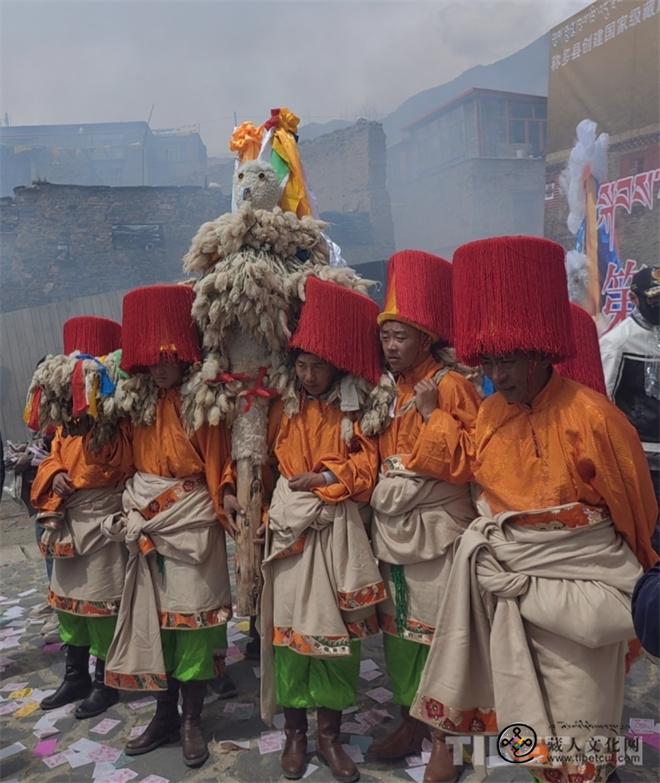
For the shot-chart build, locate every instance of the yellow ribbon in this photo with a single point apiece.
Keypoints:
(246, 141)
(294, 198)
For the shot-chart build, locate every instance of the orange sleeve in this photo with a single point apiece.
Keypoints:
(623, 480)
(213, 443)
(445, 446)
(41, 495)
(356, 473)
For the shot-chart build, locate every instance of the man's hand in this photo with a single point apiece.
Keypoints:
(232, 510)
(305, 482)
(63, 486)
(426, 397)
(260, 535)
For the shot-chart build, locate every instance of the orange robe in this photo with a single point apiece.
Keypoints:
(165, 449)
(312, 441)
(108, 467)
(571, 445)
(442, 447)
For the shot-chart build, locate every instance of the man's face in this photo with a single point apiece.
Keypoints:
(167, 375)
(403, 345)
(517, 377)
(314, 375)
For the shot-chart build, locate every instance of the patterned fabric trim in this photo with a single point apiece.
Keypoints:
(395, 462)
(193, 621)
(364, 628)
(58, 549)
(455, 721)
(325, 646)
(367, 596)
(136, 682)
(294, 549)
(576, 515)
(171, 496)
(145, 545)
(414, 631)
(571, 773)
(83, 608)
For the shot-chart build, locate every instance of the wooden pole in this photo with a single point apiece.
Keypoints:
(249, 491)
(249, 451)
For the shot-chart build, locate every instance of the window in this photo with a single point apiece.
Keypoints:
(137, 236)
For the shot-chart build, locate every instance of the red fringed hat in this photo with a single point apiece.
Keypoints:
(586, 366)
(92, 335)
(157, 324)
(339, 325)
(419, 293)
(510, 295)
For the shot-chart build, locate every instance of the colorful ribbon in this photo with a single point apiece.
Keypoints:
(249, 394)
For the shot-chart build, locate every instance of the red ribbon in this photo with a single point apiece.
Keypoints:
(33, 422)
(78, 395)
(249, 394)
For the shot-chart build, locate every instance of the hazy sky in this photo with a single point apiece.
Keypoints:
(198, 62)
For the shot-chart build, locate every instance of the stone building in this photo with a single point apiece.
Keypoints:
(67, 241)
(347, 171)
(470, 169)
(104, 153)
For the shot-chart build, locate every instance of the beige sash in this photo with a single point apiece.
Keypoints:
(88, 563)
(188, 590)
(535, 625)
(416, 522)
(331, 582)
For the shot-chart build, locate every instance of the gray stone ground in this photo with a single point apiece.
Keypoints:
(28, 661)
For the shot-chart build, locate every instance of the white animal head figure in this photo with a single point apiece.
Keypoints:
(256, 183)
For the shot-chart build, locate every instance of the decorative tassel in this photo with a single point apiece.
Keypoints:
(400, 597)
(586, 367)
(419, 293)
(78, 394)
(31, 413)
(91, 335)
(355, 346)
(157, 322)
(511, 295)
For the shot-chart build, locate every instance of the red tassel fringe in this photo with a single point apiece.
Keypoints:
(423, 291)
(586, 366)
(92, 335)
(510, 295)
(339, 325)
(157, 324)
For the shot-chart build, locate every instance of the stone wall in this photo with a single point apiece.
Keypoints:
(66, 241)
(346, 170)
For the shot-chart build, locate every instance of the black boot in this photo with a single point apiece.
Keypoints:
(164, 726)
(253, 647)
(193, 743)
(77, 683)
(101, 697)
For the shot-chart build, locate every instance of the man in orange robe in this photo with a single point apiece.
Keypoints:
(176, 599)
(74, 494)
(321, 580)
(537, 620)
(422, 500)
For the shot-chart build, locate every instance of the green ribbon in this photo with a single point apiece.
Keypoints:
(400, 597)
